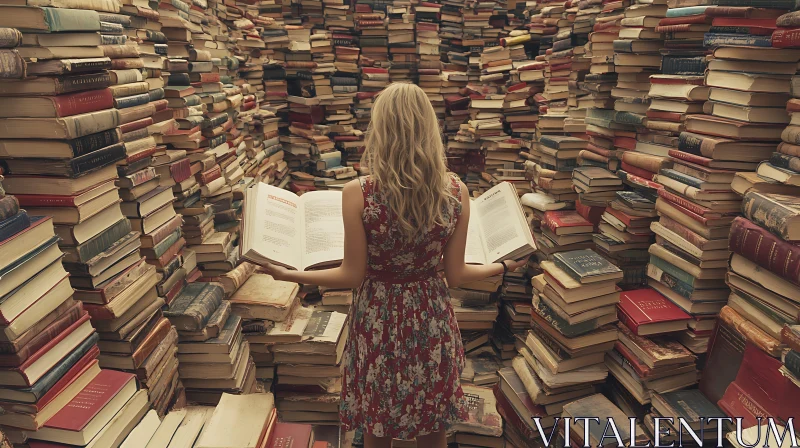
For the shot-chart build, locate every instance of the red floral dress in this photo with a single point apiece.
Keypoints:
(404, 356)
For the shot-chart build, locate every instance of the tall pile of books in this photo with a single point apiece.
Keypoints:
(561, 358)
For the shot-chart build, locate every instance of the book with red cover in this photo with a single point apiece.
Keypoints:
(725, 353)
(90, 401)
(563, 222)
(591, 213)
(290, 434)
(758, 388)
(765, 249)
(646, 312)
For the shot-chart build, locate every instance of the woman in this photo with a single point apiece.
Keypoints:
(404, 357)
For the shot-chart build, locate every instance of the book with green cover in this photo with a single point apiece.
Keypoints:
(587, 266)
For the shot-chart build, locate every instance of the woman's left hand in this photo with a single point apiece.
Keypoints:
(277, 272)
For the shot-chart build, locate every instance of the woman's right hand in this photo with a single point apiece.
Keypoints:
(513, 265)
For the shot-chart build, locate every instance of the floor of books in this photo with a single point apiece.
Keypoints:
(652, 145)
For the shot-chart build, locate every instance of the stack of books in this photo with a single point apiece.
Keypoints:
(49, 345)
(260, 302)
(596, 186)
(562, 231)
(573, 309)
(214, 356)
(103, 410)
(650, 327)
(308, 372)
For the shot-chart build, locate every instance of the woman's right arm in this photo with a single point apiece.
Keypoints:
(456, 270)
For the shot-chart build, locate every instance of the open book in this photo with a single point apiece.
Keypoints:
(298, 232)
(307, 232)
(498, 229)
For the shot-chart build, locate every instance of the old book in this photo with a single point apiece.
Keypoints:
(586, 266)
(64, 128)
(262, 297)
(566, 222)
(767, 250)
(776, 212)
(646, 312)
(92, 409)
(48, 356)
(601, 406)
(289, 434)
(166, 430)
(655, 352)
(193, 307)
(688, 405)
(29, 184)
(221, 344)
(234, 279)
(248, 412)
(289, 330)
(484, 420)
(143, 431)
(49, 19)
(34, 417)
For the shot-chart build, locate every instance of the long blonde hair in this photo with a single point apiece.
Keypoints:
(406, 158)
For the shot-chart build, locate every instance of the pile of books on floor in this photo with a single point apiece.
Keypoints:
(214, 357)
(561, 357)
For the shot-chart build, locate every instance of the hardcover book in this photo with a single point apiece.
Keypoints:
(646, 312)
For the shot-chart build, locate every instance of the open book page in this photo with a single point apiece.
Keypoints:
(323, 239)
(274, 225)
(474, 252)
(502, 224)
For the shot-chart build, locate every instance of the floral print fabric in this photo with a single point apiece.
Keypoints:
(403, 359)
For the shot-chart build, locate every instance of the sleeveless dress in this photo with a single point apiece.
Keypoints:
(403, 359)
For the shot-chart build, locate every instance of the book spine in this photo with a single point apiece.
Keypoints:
(691, 158)
(670, 281)
(767, 213)
(790, 338)
(628, 322)
(716, 40)
(173, 250)
(199, 310)
(785, 161)
(92, 81)
(792, 362)
(131, 101)
(700, 18)
(119, 51)
(9, 206)
(181, 170)
(750, 331)
(765, 249)
(677, 273)
(102, 241)
(70, 20)
(42, 339)
(10, 38)
(13, 225)
(12, 65)
(59, 377)
(97, 159)
(163, 245)
(123, 90)
(82, 102)
(789, 20)
(91, 123)
(151, 341)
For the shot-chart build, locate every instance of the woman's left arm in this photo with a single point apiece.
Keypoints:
(354, 266)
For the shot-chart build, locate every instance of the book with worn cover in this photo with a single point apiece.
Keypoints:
(193, 307)
(586, 266)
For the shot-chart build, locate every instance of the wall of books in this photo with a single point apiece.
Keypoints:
(653, 144)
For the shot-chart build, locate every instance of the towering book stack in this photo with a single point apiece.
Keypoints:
(39, 317)
(636, 58)
(402, 42)
(214, 357)
(573, 308)
(602, 79)
(648, 359)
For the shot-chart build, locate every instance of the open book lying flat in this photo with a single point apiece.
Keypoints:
(307, 232)
(498, 229)
(297, 232)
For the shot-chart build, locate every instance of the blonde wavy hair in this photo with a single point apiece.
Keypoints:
(406, 158)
